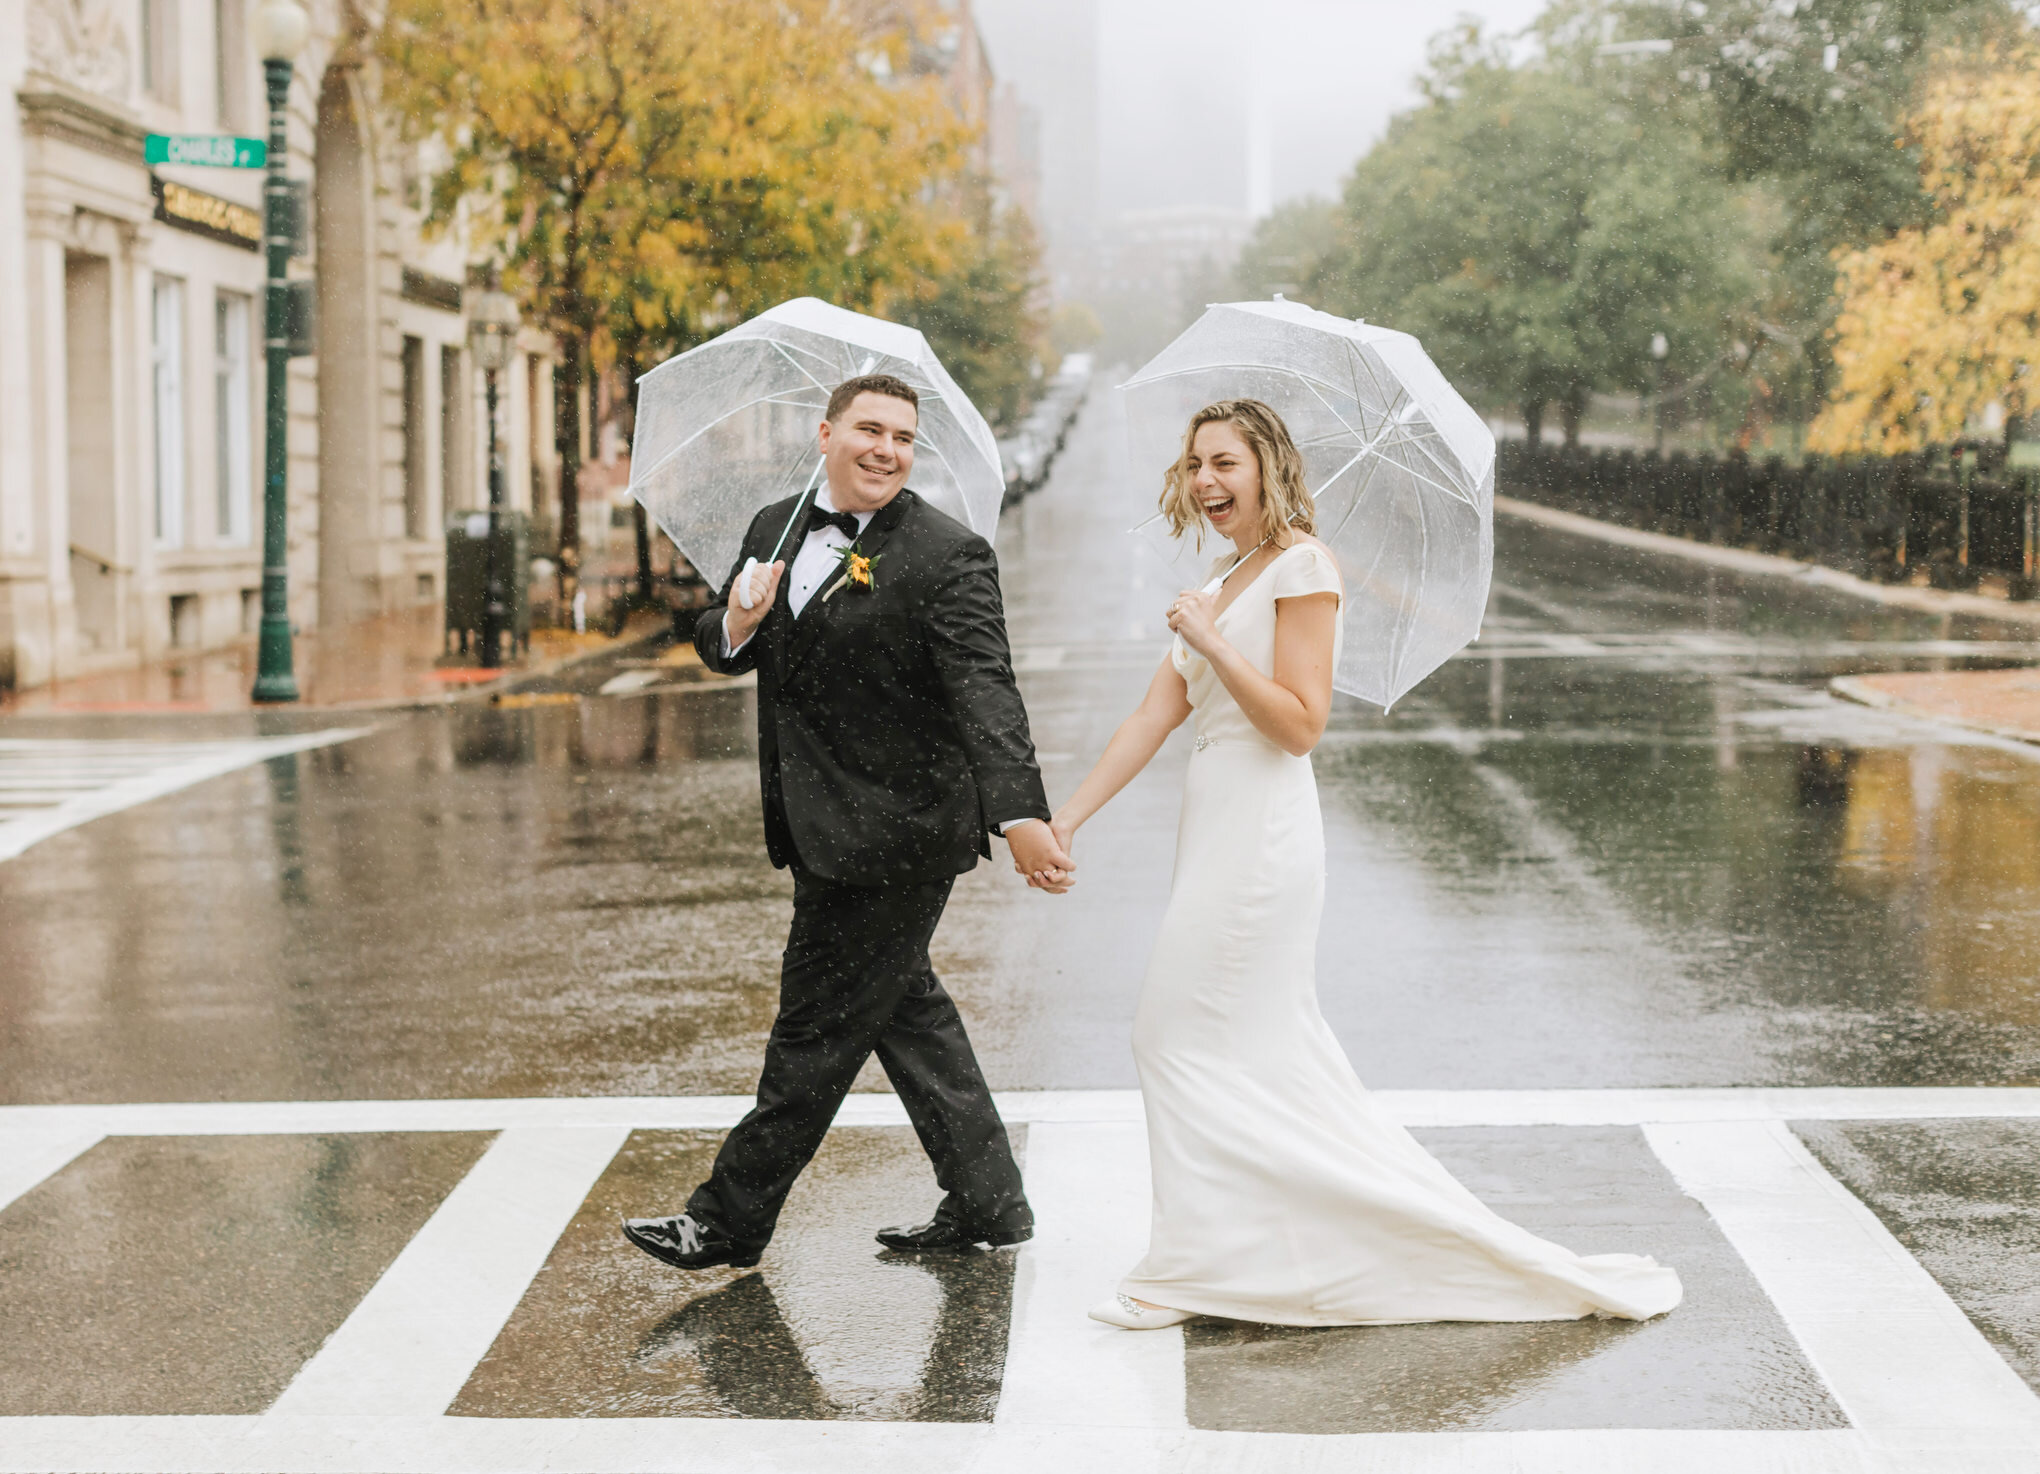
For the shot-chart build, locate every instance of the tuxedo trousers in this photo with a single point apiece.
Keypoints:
(855, 981)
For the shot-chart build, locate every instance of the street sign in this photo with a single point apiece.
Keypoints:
(2024, 455)
(213, 150)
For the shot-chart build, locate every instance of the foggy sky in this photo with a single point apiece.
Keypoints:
(1153, 104)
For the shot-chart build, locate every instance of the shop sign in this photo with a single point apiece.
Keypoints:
(207, 214)
(208, 150)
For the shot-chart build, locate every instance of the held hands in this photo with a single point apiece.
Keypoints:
(1041, 853)
(751, 596)
(1194, 617)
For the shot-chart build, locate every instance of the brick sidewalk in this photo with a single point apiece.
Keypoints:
(2005, 703)
(395, 660)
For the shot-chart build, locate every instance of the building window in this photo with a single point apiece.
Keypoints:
(159, 49)
(230, 61)
(167, 361)
(414, 437)
(453, 446)
(232, 449)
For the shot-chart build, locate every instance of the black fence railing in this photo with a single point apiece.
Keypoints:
(1961, 515)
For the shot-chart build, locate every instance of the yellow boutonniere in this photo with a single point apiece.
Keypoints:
(855, 566)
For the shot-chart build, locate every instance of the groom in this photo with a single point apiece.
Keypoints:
(891, 741)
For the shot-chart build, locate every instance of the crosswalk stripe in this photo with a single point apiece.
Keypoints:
(1089, 1188)
(410, 1345)
(1897, 1353)
(28, 1158)
(83, 779)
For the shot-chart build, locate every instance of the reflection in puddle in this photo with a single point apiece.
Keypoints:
(828, 1327)
(1953, 850)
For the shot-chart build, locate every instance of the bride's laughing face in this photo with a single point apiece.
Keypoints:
(1226, 479)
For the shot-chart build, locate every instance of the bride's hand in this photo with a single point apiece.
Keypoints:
(1194, 617)
(1056, 882)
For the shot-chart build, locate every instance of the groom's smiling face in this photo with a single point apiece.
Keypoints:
(868, 451)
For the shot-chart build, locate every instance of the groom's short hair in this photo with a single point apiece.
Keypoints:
(886, 384)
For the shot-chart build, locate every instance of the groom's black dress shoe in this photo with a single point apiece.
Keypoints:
(686, 1244)
(947, 1233)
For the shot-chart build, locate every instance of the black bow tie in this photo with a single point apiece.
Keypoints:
(843, 522)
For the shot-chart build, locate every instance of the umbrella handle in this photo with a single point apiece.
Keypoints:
(814, 476)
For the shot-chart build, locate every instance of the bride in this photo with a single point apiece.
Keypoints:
(1282, 1192)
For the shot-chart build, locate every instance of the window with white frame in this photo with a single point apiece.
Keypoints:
(159, 49)
(167, 363)
(232, 451)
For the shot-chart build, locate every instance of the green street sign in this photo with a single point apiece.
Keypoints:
(213, 150)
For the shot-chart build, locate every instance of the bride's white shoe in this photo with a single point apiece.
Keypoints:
(1130, 1314)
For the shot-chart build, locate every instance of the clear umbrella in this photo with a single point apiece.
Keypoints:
(1401, 467)
(728, 428)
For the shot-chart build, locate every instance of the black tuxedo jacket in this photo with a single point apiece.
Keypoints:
(890, 730)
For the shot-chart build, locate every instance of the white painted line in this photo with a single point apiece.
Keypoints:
(1900, 1356)
(28, 1158)
(409, 1346)
(1089, 1187)
(274, 1445)
(719, 1112)
(171, 766)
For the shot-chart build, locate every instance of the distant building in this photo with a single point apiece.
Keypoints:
(1150, 272)
(1015, 143)
(131, 365)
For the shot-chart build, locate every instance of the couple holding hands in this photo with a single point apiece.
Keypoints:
(893, 744)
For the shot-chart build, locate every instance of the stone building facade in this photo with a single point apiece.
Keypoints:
(131, 369)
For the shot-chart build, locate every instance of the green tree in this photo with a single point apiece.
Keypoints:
(1806, 103)
(1287, 248)
(982, 313)
(1535, 234)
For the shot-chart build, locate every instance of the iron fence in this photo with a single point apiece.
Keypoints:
(1960, 514)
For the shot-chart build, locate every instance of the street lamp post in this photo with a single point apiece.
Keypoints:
(1659, 347)
(492, 331)
(281, 30)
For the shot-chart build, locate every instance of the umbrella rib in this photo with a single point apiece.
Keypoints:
(799, 367)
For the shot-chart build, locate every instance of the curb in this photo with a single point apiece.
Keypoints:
(1852, 688)
(1770, 565)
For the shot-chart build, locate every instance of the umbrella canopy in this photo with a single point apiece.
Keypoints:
(1401, 467)
(728, 428)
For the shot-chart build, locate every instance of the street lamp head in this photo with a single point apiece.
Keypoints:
(492, 328)
(281, 29)
(1659, 347)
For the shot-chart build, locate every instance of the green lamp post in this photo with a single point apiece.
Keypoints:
(281, 29)
(492, 333)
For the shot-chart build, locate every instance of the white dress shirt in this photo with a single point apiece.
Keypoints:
(817, 563)
(818, 560)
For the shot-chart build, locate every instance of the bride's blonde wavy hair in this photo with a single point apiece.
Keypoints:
(1286, 506)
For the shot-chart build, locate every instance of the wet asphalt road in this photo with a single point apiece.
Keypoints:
(1628, 840)
(1636, 844)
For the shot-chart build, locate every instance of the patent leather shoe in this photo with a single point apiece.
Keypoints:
(686, 1244)
(944, 1232)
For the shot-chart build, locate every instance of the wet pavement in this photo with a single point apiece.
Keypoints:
(1629, 841)
(1725, 1360)
(824, 1327)
(196, 1274)
(1595, 851)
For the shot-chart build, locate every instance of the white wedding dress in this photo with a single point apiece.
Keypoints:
(1282, 1192)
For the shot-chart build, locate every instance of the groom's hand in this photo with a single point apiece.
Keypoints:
(741, 623)
(1038, 856)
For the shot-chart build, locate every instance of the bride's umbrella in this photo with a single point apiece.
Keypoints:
(728, 428)
(1402, 469)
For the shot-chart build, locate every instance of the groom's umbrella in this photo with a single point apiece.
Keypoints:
(728, 428)
(1401, 467)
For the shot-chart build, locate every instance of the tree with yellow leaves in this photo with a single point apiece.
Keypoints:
(1943, 318)
(648, 173)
